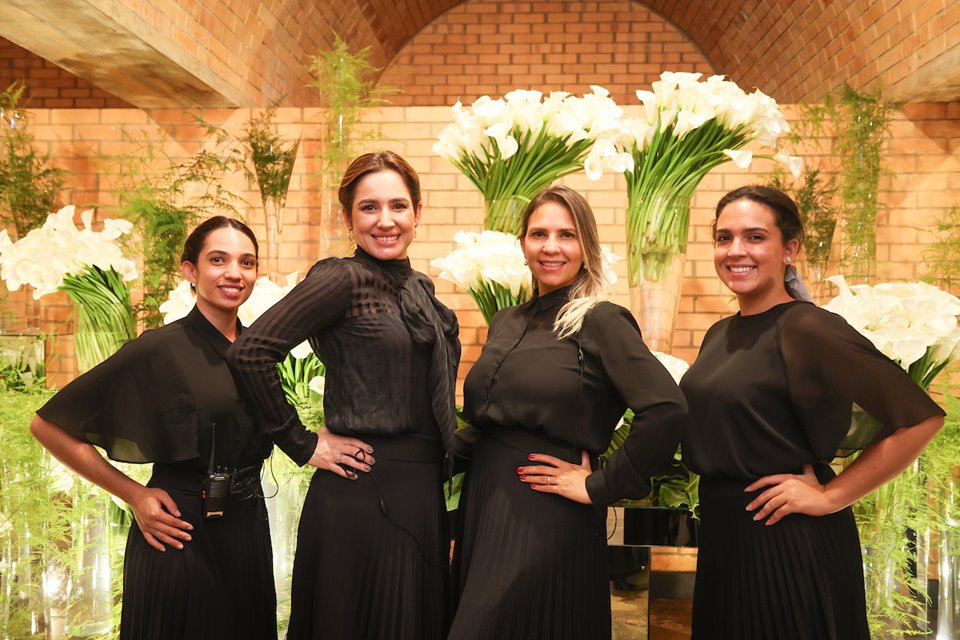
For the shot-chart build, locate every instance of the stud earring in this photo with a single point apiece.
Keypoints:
(789, 259)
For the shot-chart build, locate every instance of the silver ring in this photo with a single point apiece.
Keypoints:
(339, 458)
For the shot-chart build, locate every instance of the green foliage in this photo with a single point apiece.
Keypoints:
(165, 198)
(272, 161)
(861, 121)
(29, 187)
(942, 256)
(22, 366)
(679, 488)
(346, 83)
(813, 193)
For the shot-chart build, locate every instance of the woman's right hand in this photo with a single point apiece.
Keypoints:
(159, 519)
(342, 455)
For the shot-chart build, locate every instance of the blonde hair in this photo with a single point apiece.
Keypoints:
(589, 287)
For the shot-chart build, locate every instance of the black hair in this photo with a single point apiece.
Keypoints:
(194, 242)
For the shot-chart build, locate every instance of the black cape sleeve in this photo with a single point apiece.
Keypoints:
(134, 405)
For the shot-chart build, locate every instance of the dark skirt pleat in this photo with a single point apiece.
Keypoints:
(371, 560)
(220, 586)
(801, 578)
(526, 564)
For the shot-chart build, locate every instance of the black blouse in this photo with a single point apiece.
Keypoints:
(377, 377)
(773, 391)
(158, 398)
(576, 390)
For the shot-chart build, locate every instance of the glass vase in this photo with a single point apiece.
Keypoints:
(335, 241)
(657, 225)
(90, 590)
(270, 250)
(655, 304)
(505, 214)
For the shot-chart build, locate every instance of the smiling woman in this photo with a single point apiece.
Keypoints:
(770, 398)
(169, 398)
(374, 521)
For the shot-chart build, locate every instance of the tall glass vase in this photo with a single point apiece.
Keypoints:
(504, 214)
(657, 227)
(334, 238)
(948, 588)
(270, 252)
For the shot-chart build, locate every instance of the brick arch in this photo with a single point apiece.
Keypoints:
(488, 47)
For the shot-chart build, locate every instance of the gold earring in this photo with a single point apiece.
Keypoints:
(350, 234)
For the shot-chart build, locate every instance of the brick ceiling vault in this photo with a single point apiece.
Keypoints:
(223, 53)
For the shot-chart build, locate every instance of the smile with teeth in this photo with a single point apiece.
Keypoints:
(392, 238)
(551, 265)
(740, 269)
(231, 290)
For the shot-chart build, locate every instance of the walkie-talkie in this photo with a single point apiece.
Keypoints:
(216, 486)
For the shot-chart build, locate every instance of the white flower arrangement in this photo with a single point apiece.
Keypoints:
(45, 256)
(688, 127)
(912, 323)
(513, 147)
(89, 266)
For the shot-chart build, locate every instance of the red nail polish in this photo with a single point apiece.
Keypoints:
(530, 456)
(519, 469)
(522, 478)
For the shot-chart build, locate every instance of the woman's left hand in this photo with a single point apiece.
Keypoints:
(559, 477)
(789, 493)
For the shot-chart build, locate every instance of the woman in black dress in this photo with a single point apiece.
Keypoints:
(770, 401)
(371, 559)
(168, 397)
(550, 386)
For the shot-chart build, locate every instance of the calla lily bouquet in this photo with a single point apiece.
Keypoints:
(688, 127)
(491, 268)
(301, 372)
(513, 147)
(912, 323)
(88, 265)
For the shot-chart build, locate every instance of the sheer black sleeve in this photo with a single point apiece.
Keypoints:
(830, 366)
(135, 405)
(317, 302)
(649, 390)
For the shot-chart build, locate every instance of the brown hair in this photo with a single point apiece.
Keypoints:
(785, 211)
(194, 242)
(374, 163)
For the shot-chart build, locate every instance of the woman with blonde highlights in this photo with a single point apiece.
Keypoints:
(543, 399)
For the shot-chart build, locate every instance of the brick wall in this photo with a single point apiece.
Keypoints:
(49, 86)
(923, 156)
(491, 47)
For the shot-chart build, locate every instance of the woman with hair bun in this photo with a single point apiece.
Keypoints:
(770, 398)
(372, 547)
(191, 569)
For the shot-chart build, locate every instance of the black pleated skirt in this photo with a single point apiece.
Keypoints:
(371, 559)
(527, 565)
(800, 579)
(219, 587)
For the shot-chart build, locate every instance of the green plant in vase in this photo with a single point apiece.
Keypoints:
(861, 121)
(346, 84)
(514, 147)
(272, 161)
(29, 186)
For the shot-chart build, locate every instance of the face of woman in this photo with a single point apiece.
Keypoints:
(750, 255)
(551, 247)
(383, 218)
(225, 272)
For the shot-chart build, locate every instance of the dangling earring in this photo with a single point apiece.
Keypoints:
(349, 234)
(415, 230)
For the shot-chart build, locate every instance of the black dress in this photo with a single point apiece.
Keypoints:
(533, 565)
(768, 394)
(371, 559)
(158, 399)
